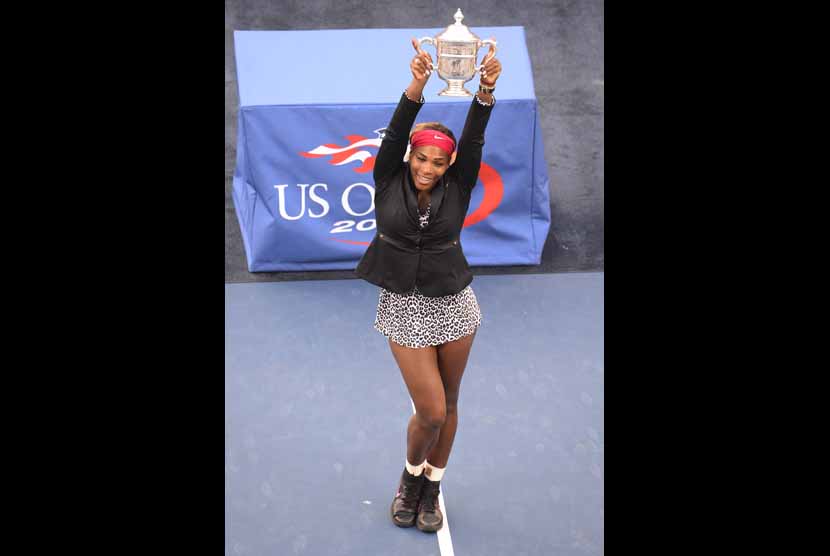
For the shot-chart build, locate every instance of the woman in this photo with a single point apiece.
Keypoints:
(426, 306)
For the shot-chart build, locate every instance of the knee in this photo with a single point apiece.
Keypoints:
(433, 417)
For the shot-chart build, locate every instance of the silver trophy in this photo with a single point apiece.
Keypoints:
(457, 49)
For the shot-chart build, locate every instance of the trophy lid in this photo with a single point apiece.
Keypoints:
(458, 32)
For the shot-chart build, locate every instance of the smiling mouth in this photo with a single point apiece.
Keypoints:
(423, 181)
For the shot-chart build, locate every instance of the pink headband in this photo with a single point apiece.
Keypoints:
(432, 137)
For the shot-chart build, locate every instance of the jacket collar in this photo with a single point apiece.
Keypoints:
(436, 195)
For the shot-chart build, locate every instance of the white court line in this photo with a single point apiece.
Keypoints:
(444, 538)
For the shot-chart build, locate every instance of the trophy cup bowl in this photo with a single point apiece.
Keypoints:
(457, 49)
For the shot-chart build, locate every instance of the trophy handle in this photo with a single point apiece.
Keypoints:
(495, 48)
(429, 40)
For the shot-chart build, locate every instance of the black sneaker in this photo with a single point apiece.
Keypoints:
(430, 518)
(404, 508)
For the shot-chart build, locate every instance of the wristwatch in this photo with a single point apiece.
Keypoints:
(485, 89)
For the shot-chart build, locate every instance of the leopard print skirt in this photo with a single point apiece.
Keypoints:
(415, 320)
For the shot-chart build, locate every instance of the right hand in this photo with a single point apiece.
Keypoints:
(421, 65)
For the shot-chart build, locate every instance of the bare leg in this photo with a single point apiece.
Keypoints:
(452, 360)
(419, 368)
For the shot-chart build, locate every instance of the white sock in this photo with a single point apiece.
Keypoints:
(415, 469)
(433, 473)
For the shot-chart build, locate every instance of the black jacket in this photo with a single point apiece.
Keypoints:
(402, 254)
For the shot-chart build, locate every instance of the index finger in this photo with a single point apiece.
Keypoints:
(416, 46)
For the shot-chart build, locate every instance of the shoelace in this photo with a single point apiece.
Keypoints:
(409, 492)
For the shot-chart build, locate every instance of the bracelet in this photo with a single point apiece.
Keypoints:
(492, 102)
(486, 89)
(418, 101)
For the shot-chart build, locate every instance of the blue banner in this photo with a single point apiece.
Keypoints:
(303, 186)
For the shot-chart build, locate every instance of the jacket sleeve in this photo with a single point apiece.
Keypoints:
(396, 138)
(471, 144)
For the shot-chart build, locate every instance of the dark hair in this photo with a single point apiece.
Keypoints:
(436, 126)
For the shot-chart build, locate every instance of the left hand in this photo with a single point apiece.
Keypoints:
(421, 65)
(491, 70)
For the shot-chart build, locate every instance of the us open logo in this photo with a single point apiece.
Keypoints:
(354, 155)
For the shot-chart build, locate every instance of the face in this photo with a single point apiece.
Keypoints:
(428, 164)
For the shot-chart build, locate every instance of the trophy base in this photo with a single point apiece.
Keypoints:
(455, 89)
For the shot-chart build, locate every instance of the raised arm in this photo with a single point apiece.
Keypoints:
(396, 138)
(471, 143)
